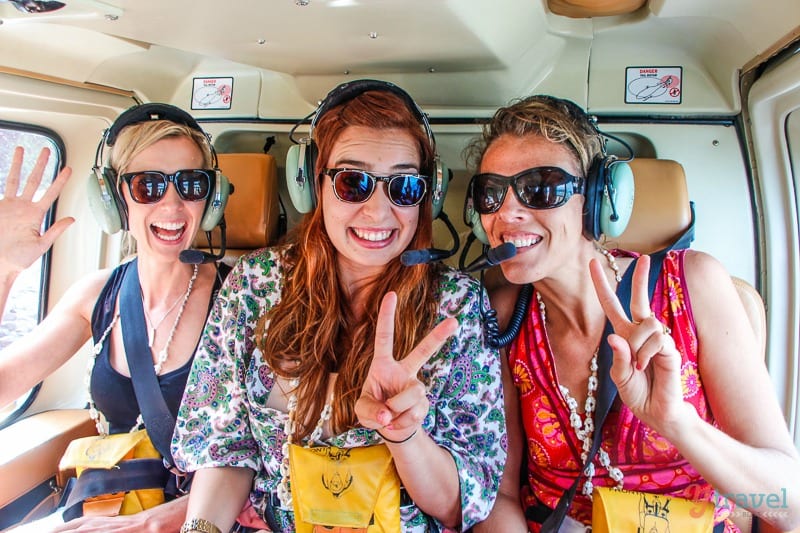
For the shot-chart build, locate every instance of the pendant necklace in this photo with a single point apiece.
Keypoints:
(94, 414)
(153, 327)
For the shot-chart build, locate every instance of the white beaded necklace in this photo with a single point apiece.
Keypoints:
(162, 358)
(584, 428)
(284, 491)
(612, 262)
(163, 354)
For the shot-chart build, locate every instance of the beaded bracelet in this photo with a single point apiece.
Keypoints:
(398, 441)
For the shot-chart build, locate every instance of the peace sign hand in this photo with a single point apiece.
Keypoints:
(647, 365)
(393, 400)
(21, 241)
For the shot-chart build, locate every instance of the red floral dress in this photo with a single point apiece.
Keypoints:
(649, 462)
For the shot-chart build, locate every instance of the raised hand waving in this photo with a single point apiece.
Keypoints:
(21, 240)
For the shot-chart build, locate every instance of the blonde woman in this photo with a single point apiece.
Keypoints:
(157, 154)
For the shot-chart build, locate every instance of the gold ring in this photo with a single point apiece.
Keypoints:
(636, 322)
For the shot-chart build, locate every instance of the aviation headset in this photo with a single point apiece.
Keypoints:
(301, 158)
(608, 188)
(106, 201)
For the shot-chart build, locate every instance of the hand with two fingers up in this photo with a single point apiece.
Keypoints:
(21, 241)
(647, 365)
(393, 399)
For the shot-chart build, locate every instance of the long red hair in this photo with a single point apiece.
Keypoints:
(314, 330)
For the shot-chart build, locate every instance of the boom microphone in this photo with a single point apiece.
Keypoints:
(430, 255)
(424, 256)
(492, 257)
(198, 257)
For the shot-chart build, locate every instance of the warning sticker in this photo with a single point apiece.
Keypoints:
(653, 85)
(212, 93)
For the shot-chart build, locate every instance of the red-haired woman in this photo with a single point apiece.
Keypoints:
(330, 341)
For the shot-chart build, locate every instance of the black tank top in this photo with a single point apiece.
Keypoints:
(112, 392)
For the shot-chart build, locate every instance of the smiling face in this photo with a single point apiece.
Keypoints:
(545, 238)
(169, 225)
(369, 235)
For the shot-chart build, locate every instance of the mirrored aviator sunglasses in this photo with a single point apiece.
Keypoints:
(536, 188)
(150, 186)
(357, 186)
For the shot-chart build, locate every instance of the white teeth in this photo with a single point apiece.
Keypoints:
(372, 235)
(521, 242)
(176, 227)
(170, 226)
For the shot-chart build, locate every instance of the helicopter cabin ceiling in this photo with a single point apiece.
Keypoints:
(457, 57)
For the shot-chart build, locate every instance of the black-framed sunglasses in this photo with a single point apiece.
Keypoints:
(150, 186)
(357, 186)
(536, 188)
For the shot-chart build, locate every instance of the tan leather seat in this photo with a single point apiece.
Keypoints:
(754, 306)
(661, 208)
(252, 211)
(661, 213)
(32, 448)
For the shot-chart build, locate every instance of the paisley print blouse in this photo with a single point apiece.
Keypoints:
(224, 419)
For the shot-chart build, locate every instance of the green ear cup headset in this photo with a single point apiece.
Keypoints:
(300, 159)
(609, 189)
(105, 201)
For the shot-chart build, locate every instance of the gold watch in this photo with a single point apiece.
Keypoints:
(199, 524)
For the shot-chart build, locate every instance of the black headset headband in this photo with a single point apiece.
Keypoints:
(146, 113)
(351, 89)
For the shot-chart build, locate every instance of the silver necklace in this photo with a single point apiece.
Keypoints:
(162, 357)
(152, 328)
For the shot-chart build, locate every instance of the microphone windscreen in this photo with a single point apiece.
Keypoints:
(507, 250)
(415, 257)
(192, 257)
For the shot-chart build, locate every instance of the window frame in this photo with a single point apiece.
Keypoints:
(46, 259)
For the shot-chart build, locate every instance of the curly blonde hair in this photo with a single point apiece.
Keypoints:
(557, 120)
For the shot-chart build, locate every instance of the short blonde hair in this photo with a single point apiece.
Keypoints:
(134, 139)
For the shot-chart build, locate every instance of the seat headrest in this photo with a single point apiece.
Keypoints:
(251, 213)
(661, 208)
